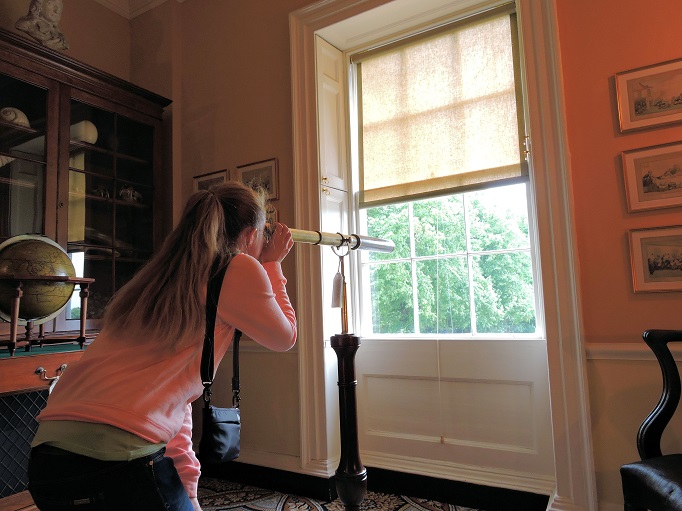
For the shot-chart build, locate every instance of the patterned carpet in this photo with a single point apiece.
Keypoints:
(218, 495)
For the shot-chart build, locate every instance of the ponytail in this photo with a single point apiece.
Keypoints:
(165, 299)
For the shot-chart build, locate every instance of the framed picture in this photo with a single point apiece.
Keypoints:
(650, 96)
(656, 258)
(206, 181)
(653, 177)
(262, 174)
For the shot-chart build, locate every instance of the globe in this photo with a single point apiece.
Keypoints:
(33, 256)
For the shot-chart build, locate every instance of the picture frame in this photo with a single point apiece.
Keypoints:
(656, 259)
(653, 177)
(261, 174)
(650, 96)
(206, 181)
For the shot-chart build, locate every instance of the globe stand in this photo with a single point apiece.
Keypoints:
(17, 282)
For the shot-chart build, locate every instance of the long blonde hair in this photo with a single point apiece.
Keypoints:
(164, 299)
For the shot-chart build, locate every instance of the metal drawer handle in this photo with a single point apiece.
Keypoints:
(41, 371)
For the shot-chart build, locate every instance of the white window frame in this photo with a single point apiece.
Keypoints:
(575, 486)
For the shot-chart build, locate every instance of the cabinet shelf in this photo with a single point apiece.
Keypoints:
(16, 133)
(21, 142)
(96, 252)
(17, 182)
(77, 145)
(99, 198)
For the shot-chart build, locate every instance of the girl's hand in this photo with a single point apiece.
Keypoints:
(279, 245)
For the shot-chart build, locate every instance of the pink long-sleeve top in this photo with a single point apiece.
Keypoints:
(143, 387)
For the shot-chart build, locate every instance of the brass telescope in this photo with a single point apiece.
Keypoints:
(338, 240)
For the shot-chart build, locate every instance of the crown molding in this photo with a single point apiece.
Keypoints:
(130, 9)
(121, 7)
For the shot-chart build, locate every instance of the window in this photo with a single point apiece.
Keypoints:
(462, 265)
(441, 175)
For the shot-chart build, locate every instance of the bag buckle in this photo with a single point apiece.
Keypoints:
(207, 395)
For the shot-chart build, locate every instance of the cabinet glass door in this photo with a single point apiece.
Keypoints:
(23, 121)
(110, 229)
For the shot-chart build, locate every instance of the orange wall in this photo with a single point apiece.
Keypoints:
(599, 39)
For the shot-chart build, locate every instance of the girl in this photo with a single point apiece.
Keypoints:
(116, 431)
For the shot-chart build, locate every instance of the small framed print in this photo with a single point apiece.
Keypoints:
(650, 96)
(262, 174)
(653, 177)
(206, 181)
(656, 259)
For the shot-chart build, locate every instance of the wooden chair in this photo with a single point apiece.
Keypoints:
(655, 482)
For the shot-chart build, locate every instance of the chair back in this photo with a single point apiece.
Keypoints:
(651, 430)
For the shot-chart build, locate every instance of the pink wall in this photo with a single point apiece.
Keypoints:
(96, 35)
(235, 61)
(598, 40)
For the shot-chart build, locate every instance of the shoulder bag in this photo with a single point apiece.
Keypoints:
(221, 427)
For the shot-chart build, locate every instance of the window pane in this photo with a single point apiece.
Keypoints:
(503, 293)
(391, 296)
(443, 296)
(439, 226)
(391, 223)
(498, 218)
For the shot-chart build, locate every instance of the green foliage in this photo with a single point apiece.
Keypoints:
(392, 298)
(391, 223)
(498, 259)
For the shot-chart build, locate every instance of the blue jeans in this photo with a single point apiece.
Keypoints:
(60, 480)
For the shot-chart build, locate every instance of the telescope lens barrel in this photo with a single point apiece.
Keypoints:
(372, 244)
(354, 241)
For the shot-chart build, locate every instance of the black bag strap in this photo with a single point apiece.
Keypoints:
(208, 352)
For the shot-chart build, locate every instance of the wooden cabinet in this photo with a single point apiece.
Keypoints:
(80, 162)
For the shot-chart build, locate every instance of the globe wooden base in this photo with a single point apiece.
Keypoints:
(17, 283)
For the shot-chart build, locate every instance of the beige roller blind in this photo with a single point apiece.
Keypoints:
(438, 112)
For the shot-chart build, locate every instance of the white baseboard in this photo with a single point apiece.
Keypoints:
(317, 468)
(525, 482)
